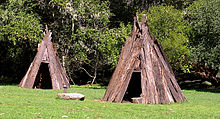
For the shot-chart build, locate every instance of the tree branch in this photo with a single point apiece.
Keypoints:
(87, 72)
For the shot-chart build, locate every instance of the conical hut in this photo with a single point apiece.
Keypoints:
(143, 73)
(45, 71)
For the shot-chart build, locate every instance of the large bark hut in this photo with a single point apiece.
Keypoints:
(142, 53)
(47, 61)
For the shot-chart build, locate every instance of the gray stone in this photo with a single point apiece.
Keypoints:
(71, 96)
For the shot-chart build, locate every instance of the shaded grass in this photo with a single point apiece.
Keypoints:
(21, 103)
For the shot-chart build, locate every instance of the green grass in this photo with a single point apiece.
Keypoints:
(18, 103)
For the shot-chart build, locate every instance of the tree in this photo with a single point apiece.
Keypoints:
(204, 18)
(82, 34)
(18, 23)
(95, 46)
(170, 28)
(125, 10)
(20, 30)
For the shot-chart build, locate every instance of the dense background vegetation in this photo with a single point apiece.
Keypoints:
(89, 34)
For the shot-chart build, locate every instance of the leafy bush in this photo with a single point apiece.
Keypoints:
(20, 30)
(17, 23)
(170, 28)
(204, 17)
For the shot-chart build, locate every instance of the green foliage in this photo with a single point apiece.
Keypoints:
(45, 104)
(170, 28)
(83, 35)
(111, 42)
(179, 4)
(91, 19)
(204, 16)
(106, 44)
(19, 33)
(17, 24)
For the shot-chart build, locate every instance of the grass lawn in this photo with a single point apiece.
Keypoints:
(18, 103)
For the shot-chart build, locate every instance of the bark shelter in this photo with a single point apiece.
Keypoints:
(46, 60)
(142, 53)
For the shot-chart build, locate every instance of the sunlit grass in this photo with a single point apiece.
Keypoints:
(21, 103)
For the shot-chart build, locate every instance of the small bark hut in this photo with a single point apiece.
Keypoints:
(143, 73)
(45, 71)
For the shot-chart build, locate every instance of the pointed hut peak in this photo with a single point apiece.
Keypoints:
(46, 29)
(47, 34)
(141, 19)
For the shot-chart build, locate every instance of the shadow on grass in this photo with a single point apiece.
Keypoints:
(209, 90)
(197, 81)
(201, 87)
(89, 86)
(8, 84)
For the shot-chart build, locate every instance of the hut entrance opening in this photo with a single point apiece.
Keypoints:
(134, 87)
(43, 79)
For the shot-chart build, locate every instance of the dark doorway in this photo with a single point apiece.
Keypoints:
(43, 79)
(134, 87)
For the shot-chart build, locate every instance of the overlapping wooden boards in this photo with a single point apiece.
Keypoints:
(57, 73)
(158, 82)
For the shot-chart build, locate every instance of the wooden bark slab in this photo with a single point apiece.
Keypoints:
(71, 96)
(137, 100)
